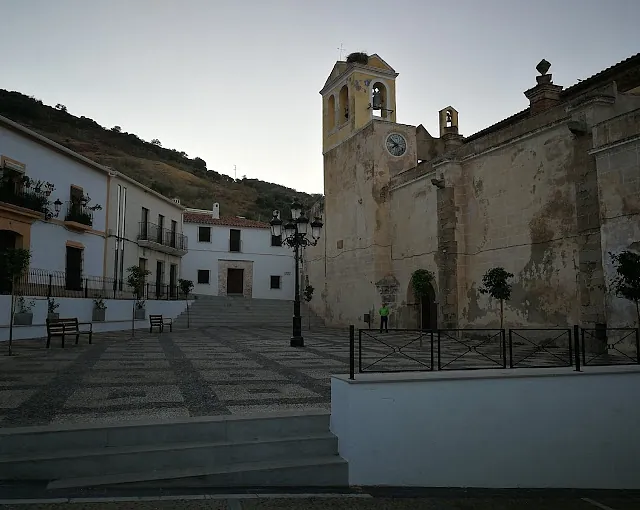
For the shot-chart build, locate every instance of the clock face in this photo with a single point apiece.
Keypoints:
(396, 144)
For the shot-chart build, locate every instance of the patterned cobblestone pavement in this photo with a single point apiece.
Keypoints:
(231, 370)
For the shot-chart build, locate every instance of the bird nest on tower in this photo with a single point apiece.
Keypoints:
(358, 57)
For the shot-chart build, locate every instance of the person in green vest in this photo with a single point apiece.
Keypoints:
(384, 317)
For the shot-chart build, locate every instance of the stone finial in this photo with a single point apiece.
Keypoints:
(543, 67)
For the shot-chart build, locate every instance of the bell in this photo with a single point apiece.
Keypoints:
(377, 100)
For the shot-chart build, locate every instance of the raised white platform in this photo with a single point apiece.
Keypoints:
(528, 428)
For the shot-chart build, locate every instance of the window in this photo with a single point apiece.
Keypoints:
(174, 230)
(275, 282)
(144, 224)
(204, 234)
(203, 276)
(160, 228)
(276, 240)
(234, 240)
(142, 263)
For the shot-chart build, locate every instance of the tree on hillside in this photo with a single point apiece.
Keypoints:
(200, 163)
(496, 284)
(116, 129)
(61, 107)
(626, 283)
(155, 141)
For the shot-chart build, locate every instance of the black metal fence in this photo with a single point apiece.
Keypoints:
(43, 283)
(407, 350)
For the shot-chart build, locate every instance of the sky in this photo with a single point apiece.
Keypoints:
(237, 82)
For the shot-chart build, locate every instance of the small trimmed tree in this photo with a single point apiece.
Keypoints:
(136, 279)
(626, 283)
(496, 283)
(308, 296)
(186, 286)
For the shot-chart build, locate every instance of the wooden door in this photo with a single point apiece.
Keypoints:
(235, 281)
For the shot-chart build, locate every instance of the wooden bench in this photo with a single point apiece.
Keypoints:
(157, 321)
(67, 327)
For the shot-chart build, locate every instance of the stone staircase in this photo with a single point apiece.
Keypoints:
(211, 311)
(284, 450)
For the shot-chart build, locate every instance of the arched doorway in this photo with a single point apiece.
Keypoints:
(426, 308)
(429, 310)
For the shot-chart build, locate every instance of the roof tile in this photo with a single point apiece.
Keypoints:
(227, 222)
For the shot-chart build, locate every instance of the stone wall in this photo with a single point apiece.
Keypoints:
(247, 284)
(617, 153)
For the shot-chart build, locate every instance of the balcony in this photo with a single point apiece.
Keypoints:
(22, 201)
(78, 217)
(155, 237)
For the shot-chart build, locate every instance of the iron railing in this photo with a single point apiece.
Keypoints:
(157, 234)
(610, 346)
(78, 213)
(414, 350)
(11, 193)
(58, 284)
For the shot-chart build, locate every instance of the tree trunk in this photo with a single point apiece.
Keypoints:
(501, 313)
(638, 312)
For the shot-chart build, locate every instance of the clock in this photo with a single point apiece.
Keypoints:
(396, 144)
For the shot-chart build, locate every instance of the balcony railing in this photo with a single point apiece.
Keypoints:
(11, 193)
(78, 214)
(163, 236)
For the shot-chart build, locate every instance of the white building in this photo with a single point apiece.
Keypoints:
(145, 230)
(53, 202)
(236, 256)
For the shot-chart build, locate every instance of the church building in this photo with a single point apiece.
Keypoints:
(548, 194)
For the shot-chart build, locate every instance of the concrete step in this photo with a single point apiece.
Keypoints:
(105, 461)
(325, 471)
(61, 438)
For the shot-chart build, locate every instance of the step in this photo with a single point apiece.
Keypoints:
(51, 438)
(324, 471)
(102, 461)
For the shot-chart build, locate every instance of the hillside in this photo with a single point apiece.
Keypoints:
(167, 171)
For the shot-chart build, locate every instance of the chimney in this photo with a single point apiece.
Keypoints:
(215, 213)
(545, 94)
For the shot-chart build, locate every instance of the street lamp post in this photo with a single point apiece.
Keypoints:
(296, 235)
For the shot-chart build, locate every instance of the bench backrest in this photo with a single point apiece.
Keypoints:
(62, 325)
(155, 319)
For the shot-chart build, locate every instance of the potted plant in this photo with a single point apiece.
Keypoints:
(99, 309)
(52, 306)
(23, 315)
(139, 312)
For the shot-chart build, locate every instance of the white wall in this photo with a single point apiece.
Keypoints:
(137, 197)
(528, 428)
(44, 163)
(118, 315)
(48, 248)
(255, 246)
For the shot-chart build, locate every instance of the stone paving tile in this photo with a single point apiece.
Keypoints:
(9, 380)
(11, 399)
(105, 397)
(119, 416)
(260, 391)
(225, 375)
(129, 364)
(106, 377)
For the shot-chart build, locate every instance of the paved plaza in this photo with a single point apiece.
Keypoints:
(223, 370)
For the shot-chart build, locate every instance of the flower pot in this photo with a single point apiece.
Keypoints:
(140, 314)
(53, 316)
(99, 314)
(23, 319)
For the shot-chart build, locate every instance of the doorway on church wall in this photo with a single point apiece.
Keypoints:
(426, 307)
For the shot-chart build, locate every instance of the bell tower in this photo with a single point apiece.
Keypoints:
(359, 89)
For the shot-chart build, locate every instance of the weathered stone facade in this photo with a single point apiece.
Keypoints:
(546, 194)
